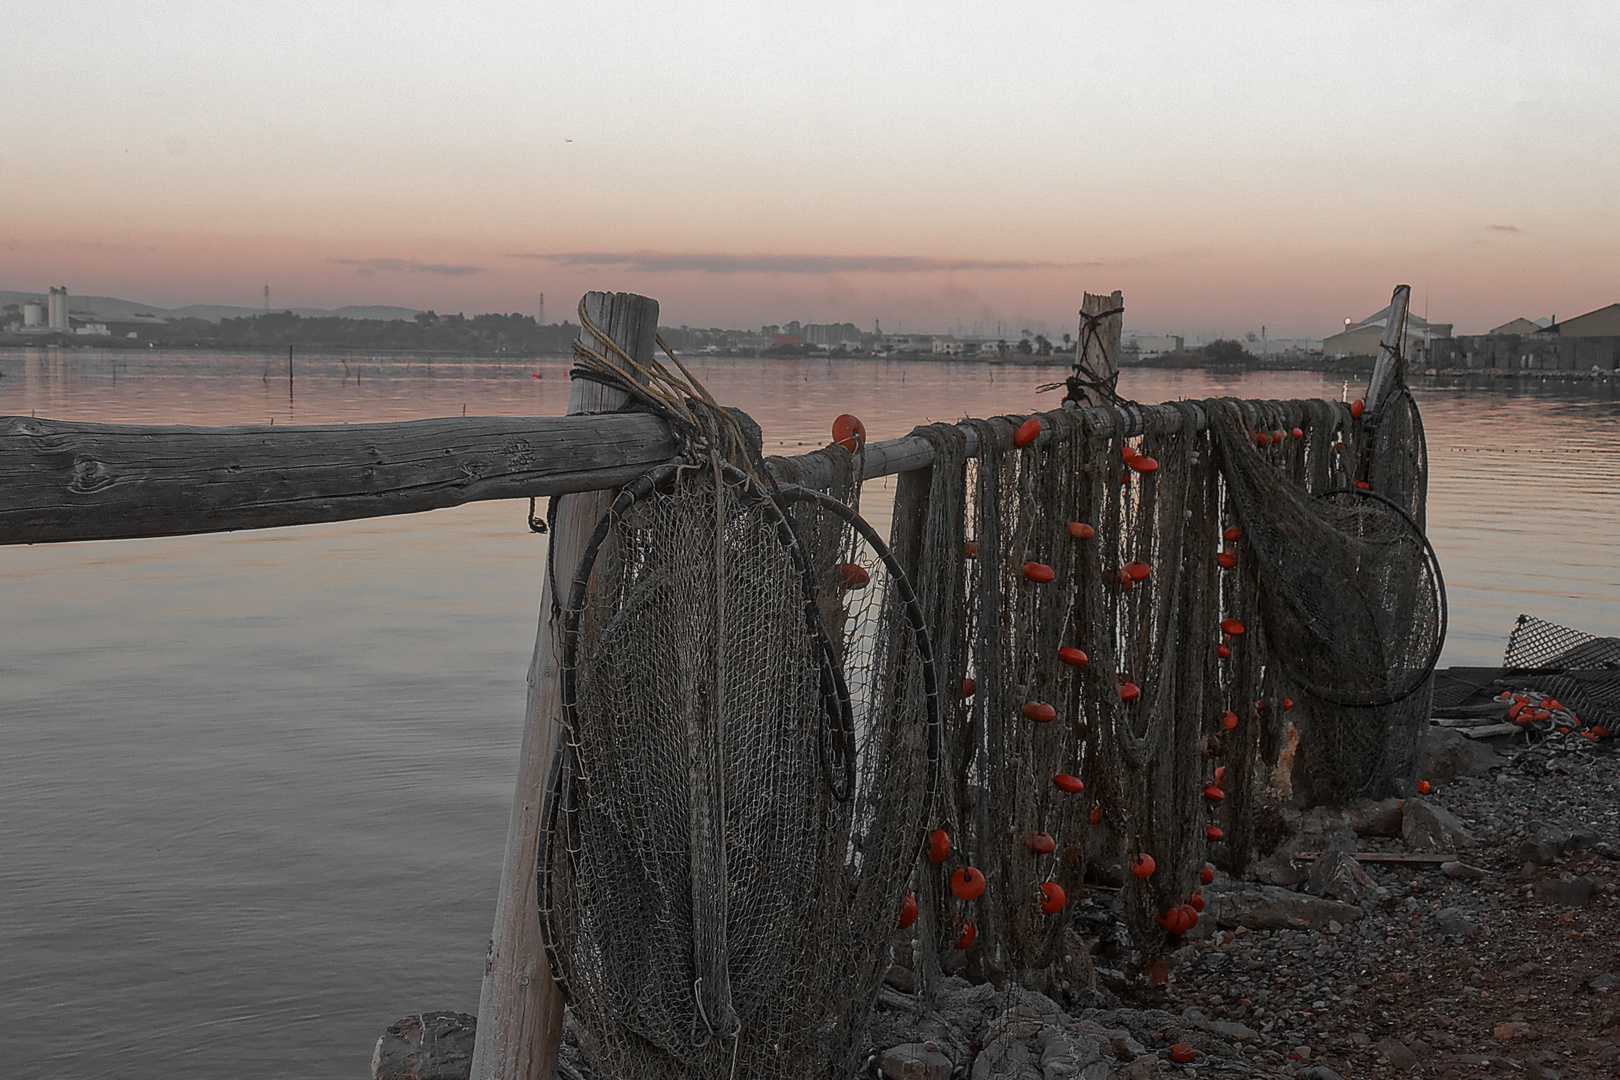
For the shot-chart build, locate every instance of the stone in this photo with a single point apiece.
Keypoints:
(1337, 875)
(1381, 818)
(426, 1046)
(914, 1061)
(1400, 1058)
(1566, 891)
(1513, 1029)
(1453, 920)
(1461, 871)
(1232, 1030)
(1318, 1072)
(1426, 827)
(901, 978)
(1270, 908)
(1538, 850)
(1443, 754)
(1066, 1054)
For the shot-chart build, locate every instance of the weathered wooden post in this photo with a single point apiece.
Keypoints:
(520, 1009)
(1097, 353)
(1389, 373)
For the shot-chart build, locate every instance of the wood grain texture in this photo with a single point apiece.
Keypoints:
(68, 481)
(520, 1008)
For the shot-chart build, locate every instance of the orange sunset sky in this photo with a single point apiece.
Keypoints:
(1227, 165)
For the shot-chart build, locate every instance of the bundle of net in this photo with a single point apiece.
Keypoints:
(1349, 597)
(1070, 586)
(744, 780)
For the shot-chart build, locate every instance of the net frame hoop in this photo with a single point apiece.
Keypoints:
(1432, 562)
(791, 493)
(564, 764)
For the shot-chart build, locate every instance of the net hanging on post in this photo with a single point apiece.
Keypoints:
(1209, 585)
(748, 763)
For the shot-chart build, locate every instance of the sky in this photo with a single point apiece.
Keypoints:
(1227, 165)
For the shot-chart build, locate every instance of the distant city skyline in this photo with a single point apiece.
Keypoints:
(1227, 167)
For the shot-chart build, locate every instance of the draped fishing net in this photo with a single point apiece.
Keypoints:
(1233, 568)
(747, 766)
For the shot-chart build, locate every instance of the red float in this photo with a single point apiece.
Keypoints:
(969, 933)
(939, 846)
(1231, 626)
(967, 884)
(1137, 571)
(1357, 407)
(1065, 782)
(1226, 559)
(1072, 657)
(1027, 432)
(1039, 573)
(1232, 532)
(1207, 874)
(1142, 866)
(1229, 719)
(968, 687)
(1039, 711)
(1081, 531)
(849, 432)
(1040, 843)
(1213, 832)
(853, 576)
(1129, 691)
(1052, 898)
(908, 911)
(1144, 464)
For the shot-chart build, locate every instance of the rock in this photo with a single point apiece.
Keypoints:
(1566, 891)
(426, 1046)
(1143, 1068)
(1443, 754)
(1400, 1058)
(1318, 1072)
(1376, 818)
(1277, 869)
(1271, 908)
(1454, 920)
(1513, 1029)
(1066, 1054)
(1426, 827)
(1538, 850)
(914, 1061)
(1232, 1030)
(901, 978)
(1337, 875)
(1461, 871)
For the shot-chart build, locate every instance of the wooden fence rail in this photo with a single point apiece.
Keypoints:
(63, 481)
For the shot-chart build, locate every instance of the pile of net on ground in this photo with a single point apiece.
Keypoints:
(1218, 571)
(1555, 684)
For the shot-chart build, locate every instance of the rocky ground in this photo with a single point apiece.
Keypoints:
(1502, 960)
(1505, 960)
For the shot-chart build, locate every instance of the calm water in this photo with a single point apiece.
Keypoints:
(254, 787)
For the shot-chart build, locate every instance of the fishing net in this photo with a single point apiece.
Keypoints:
(1210, 570)
(746, 769)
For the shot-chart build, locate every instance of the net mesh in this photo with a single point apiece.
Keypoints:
(1195, 647)
(728, 846)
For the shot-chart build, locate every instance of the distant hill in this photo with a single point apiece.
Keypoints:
(112, 308)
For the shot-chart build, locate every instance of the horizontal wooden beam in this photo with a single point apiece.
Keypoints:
(63, 481)
(71, 481)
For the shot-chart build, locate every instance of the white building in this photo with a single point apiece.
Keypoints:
(59, 309)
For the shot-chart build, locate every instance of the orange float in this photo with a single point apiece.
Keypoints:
(967, 884)
(849, 432)
(1081, 531)
(1039, 711)
(1298, 434)
(1424, 787)
(1052, 898)
(1039, 573)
